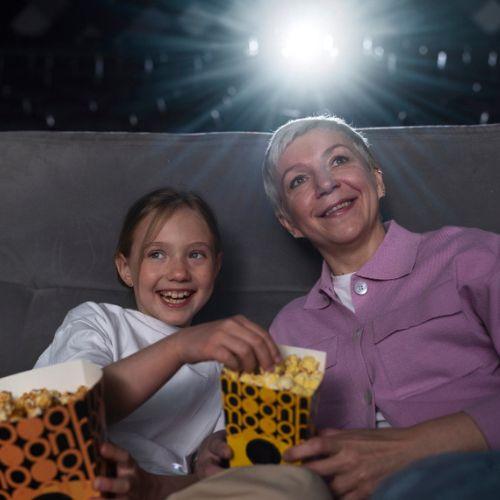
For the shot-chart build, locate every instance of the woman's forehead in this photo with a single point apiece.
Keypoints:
(313, 143)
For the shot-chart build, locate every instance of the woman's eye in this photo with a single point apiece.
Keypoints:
(196, 254)
(297, 181)
(338, 160)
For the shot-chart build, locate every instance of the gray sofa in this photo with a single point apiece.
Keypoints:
(63, 195)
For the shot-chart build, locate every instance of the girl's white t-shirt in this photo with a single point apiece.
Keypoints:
(342, 288)
(163, 432)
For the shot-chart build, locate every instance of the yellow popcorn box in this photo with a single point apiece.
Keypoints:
(268, 413)
(55, 453)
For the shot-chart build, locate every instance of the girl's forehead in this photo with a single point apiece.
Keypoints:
(178, 224)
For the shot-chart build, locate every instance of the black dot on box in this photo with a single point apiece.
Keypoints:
(18, 477)
(56, 418)
(260, 451)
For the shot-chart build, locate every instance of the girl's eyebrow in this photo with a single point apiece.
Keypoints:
(165, 244)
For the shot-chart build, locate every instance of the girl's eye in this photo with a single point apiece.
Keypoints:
(196, 254)
(156, 254)
(338, 160)
(297, 181)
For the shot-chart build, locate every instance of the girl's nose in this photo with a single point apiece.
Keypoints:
(177, 270)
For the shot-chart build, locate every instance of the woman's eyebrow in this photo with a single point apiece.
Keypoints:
(291, 167)
(327, 152)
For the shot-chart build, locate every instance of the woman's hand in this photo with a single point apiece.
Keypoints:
(235, 342)
(132, 482)
(355, 461)
(213, 451)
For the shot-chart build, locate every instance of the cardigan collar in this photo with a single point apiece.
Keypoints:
(394, 258)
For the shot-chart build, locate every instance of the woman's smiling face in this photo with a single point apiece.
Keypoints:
(330, 193)
(173, 274)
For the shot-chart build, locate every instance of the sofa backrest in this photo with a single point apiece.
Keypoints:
(63, 196)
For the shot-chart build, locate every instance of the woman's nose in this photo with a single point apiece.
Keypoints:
(326, 182)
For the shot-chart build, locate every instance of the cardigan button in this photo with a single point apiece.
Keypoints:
(360, 287)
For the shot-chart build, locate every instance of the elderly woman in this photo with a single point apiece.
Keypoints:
(410, 322)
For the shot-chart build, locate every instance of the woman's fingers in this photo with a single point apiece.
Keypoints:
(221, 449)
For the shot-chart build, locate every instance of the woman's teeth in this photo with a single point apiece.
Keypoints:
(338, 207)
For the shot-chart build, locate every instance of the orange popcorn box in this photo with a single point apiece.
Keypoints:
(56, 454)
(261, 423)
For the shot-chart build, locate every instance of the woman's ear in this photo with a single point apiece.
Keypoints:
(289, 226)
(123, 269)
(379, 180)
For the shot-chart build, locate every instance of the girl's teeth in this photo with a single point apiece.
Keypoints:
(175, 297)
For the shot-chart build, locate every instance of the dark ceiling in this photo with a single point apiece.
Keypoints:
(181, 66)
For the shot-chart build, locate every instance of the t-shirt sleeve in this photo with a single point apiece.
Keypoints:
(82, 335)
(221, 422)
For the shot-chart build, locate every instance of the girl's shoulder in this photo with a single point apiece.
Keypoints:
(98, 315)
(88, 310)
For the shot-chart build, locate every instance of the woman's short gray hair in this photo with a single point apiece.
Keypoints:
(290, 131)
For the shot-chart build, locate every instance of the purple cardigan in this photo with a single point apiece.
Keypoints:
(424, 341)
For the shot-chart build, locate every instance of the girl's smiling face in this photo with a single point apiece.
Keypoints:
(173, 273)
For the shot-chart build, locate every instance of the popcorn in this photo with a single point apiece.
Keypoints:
(34, 403)
(298, 375)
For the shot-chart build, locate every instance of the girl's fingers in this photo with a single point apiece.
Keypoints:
(119, 485)
(252, 348)
(114, 453)
(272, 348)
(238, 344)
(227, 358)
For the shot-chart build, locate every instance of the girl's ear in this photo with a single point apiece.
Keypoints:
(218, 263)
(289, 226)
(123, 269)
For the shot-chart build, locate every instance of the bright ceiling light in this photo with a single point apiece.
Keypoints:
(301, 43)
(304, 45)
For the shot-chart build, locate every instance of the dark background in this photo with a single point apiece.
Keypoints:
(183, 66)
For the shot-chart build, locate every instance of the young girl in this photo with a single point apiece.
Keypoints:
(158, 374)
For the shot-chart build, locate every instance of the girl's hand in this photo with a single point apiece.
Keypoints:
(235, 342)
(211, 454)
(356, 461)
(132, 482)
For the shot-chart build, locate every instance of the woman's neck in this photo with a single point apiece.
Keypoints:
(350, 257)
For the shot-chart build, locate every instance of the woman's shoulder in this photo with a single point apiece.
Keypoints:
(462, 239)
